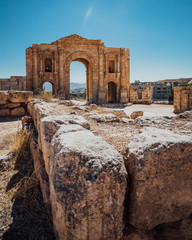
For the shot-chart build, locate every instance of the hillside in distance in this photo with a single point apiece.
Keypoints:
(73, 86)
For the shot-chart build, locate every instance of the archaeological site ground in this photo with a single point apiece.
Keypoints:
(113, 166)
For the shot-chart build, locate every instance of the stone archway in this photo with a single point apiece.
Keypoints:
(48, 81)
(88, 61)
(112, 92)
(103, 65)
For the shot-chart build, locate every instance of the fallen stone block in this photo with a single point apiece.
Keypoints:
(109, 117)
(20, 96)
(66, 103)
(136, 114)
(3, 106)
(160, 166)
(13, 105)
(4, 97)
(4, 112)
(185, 115)
(120, 114)
(87, 181)
(20, 111)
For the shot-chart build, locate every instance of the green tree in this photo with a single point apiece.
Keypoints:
(171, 96)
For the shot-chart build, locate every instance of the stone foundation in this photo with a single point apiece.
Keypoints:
(87, 190)
(83, 179)
(14, 103)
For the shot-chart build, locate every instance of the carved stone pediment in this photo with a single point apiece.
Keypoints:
(71, 37)
(74, 38)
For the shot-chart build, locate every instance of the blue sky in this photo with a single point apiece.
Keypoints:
(157, 32)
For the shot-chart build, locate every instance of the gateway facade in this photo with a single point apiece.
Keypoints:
(107, 69)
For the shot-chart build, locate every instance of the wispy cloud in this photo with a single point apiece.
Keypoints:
(88, 14)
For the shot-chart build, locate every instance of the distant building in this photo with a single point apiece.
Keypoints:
(161, 89)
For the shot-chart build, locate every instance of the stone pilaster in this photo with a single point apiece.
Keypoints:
(101, 92)
(123, 91)
(29, 70)
(61, 73)
(35, 72)
(67, 83)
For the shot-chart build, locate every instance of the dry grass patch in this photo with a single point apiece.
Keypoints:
(22, 211)
(46, 96)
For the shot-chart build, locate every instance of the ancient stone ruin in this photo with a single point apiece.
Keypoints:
(141, 96)
(94, 192)
(182, 99)
(83, 179)
(107, 69)
(14, 103)
(13, 83)
(91, 188)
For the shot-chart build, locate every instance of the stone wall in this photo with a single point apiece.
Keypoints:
(182, 99)
(141, 96)
(89, 193)
(82, 178)
(17, 83)
(14, 103)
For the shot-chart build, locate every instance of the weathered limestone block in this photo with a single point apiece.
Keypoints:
(80, 107)
(13, 105)
(185, 115)
(3, 106)
(136, 114)
(93, 106)
(55, 100)
(109, 117)
(26, 120)
(4, 112)
(20, 111)
(3, 97)
(87, 180)
(20, 96)
(66, 102)
(120, 114)
(38, 109)
(160, 165)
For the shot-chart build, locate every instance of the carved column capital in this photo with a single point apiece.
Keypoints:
(100, 50)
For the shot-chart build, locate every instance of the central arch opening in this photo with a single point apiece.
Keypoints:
(79, 79)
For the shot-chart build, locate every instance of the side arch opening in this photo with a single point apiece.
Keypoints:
(112, 92)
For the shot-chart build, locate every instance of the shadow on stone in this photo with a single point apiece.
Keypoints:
(29, 215)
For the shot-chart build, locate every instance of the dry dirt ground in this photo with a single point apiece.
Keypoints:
(22, 212)
(8, 128)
